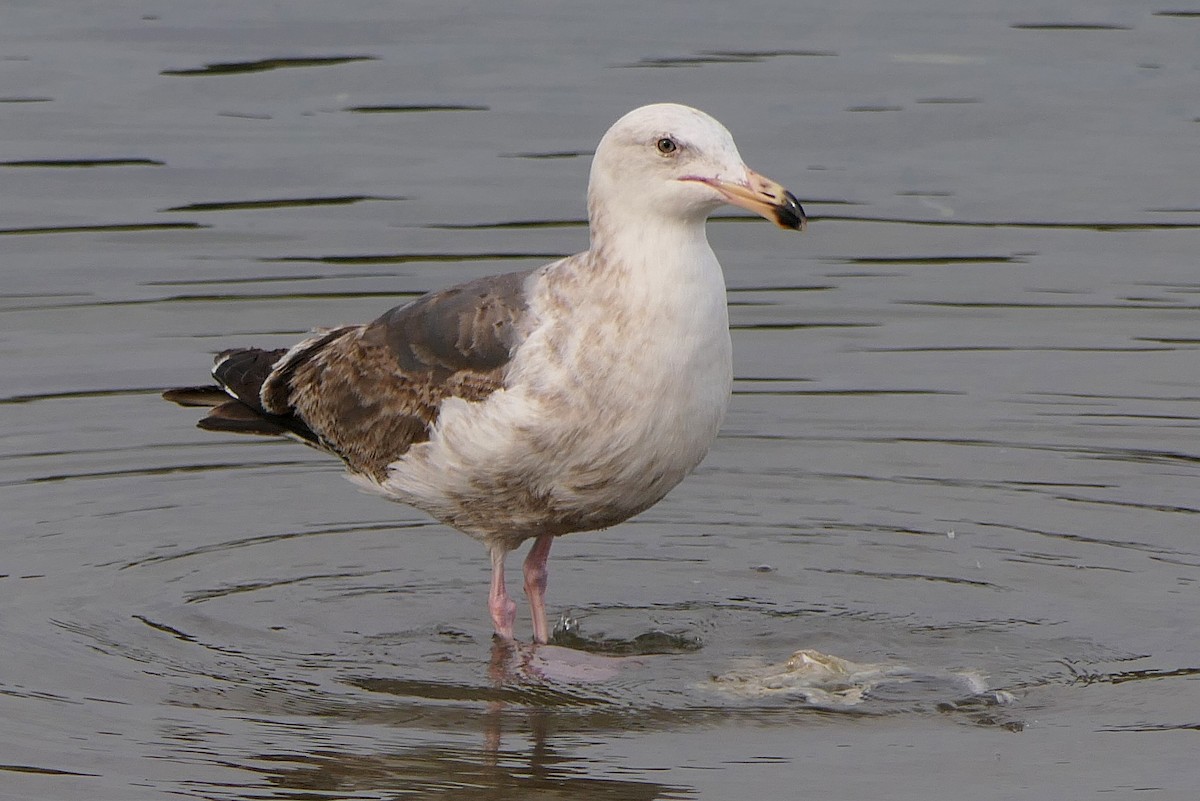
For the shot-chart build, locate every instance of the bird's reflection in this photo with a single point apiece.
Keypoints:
(432, 773)
(514, 756)
(515, 663)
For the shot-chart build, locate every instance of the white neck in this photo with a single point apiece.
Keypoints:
(654, 258)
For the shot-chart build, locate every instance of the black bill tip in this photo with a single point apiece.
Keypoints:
(790, 214)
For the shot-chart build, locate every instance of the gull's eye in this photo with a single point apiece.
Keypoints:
(667, 146)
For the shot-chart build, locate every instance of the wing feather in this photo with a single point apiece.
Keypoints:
(368, 393)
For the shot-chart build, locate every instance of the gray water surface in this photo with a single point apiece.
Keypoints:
(963, 440)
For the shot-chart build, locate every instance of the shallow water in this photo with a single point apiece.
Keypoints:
(963, 440)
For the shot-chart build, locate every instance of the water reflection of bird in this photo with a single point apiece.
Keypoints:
(529, 405)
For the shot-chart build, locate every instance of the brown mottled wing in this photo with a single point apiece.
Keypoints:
(369, 393)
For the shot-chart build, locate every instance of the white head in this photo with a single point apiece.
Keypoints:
(673, 162)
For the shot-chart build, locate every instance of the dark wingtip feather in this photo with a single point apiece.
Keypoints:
(196, 396)
(242, 372)
(238, 418)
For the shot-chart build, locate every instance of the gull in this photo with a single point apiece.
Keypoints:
(529, 405)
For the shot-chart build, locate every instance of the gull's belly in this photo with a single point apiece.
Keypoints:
(622, 454)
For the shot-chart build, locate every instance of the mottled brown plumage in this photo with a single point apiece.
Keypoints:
(368, 393)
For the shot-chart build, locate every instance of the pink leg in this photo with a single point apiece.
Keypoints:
(503, 609)
(535, 585)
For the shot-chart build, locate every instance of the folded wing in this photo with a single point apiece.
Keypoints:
(368, 393)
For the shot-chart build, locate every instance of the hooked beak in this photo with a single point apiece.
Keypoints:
(762, 196)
